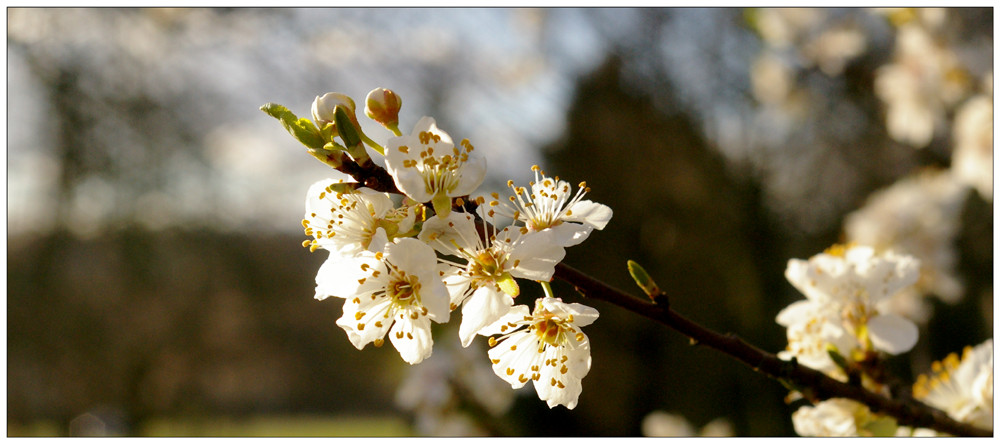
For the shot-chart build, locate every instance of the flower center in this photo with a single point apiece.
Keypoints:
(484, 265)
(549, 331)
(405, 291)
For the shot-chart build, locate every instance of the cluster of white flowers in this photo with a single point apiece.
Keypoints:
(918, 215)
(400, 267)
(845, 320)
(962, 388)
(845, 289)
(924, 81)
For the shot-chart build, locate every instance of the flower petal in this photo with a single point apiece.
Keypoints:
(359, 331)
(412, 338)
(590, 213)
(536, 256)
(471, 176)
(892, 334)
(448, 234)
(483, 308)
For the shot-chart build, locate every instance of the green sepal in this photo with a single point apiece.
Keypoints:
(508, 285)
(301, 128)
(881, 427)
(345, 127)
(837, 358)
(442, 204)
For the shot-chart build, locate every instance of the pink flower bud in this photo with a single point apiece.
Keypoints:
(382, 106)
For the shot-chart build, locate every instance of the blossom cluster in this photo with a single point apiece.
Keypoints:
(403, 263)
(846, 321)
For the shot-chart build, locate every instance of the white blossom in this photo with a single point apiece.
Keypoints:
(920, 216)
(844, 287)
(546, 347)
(550, 205)
(833, 417)
(972, 158)
(482, 281)
(427, 166)
(346, 222)
(962, 388)
(397, 292)
(924, 80)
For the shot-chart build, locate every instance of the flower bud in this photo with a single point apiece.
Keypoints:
(323, 107)
(382, 105)
(646, 283)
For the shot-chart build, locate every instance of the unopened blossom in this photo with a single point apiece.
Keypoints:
(546, 347)
(427, 166)
(346, 221)
(550, 205)
(962, 388)
(398, 292)
(843, 287)
(323, 107)
(482, 278)
(919, 215)
(382, 105)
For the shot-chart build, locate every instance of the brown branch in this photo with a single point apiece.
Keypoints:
(911, 413)
(907, 412)
(370, 175)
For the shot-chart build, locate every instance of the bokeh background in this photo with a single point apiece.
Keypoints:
(156, 283)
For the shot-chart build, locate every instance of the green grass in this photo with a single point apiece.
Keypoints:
(261, 426)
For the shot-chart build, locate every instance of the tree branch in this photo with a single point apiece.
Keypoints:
(911, 413)
(908, 412)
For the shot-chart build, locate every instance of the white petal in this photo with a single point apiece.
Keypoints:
(582, 314)
(412, 338)
(536, 256)
(590, 213)
(379, 241)
(514, 358)
(568, 234)
(483, 308)
(339, 276)
(516, 314)
(412, 256)
(411, 182)
(796, 312)
(892, 334)
(434, 297)
(471, 175)
(457, 284)
(449, 233)
(368, 331)
(380, 202)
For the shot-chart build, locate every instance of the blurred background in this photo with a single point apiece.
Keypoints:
(157, 284)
